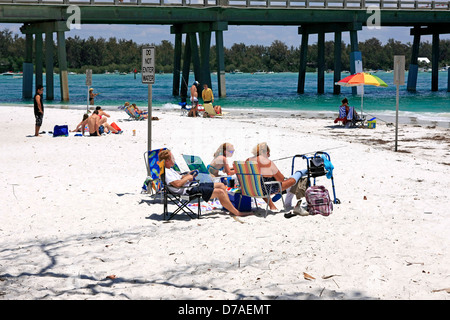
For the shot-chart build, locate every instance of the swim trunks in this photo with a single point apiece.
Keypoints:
(39, 118)
(206, 189)
(93, 134)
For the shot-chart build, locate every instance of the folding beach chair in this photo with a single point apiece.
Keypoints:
(342, 116)
(354, 120)
(209, 109)
(184, 108)
(131, 113)
(196, 163)
(180, 200)
(252, 184)
(153, 184)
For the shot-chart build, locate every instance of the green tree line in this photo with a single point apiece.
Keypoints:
(103, 55)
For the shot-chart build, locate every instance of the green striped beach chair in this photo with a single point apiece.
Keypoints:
(196, 163)
(251, 182)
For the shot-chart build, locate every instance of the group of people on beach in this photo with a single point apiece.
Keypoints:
(261, 153)
(96, 124)
(207, 96)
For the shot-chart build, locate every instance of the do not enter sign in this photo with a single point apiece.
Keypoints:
(148, 65)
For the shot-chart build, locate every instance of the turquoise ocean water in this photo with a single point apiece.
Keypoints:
(255, 92)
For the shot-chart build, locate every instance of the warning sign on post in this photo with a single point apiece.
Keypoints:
(148, 65)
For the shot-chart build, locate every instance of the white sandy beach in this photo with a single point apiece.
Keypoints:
(75, 225)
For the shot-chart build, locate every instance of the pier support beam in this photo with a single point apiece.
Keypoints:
(39, 62)
(49, 66)
(434, 30)
(355, 56)
(195, 56)
(413, 66)
(303, 59)
(186, 68)
(205, 48)
(337, 61)
(177, 64)
(200, 56)
(448, 79)
(38, 29)
(321, 63)
(220, 55)
(27, 80)
(435, 62)
(62, 59)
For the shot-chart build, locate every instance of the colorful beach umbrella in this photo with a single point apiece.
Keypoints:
(361, 79)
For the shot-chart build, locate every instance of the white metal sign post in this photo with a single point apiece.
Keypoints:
(88, 84)
(399, 79)
(148, 77)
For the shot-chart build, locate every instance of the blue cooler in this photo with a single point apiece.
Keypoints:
(246, 202)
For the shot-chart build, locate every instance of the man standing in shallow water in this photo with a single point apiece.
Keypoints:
(194, 100)
(38, 108)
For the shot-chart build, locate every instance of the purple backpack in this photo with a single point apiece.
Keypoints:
(318, 200)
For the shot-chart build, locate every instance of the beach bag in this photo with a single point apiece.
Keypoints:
(61, 131)
(316, 167)
(115, 126)
(318, 200)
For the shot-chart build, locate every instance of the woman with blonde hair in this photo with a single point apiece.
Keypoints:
(219, 162)
(270, 172)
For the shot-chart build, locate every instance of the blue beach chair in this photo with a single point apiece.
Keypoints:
(153, 183)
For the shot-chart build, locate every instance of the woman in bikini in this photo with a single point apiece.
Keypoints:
(219, 162)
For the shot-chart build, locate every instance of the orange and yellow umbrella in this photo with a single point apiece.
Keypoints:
(361, 79)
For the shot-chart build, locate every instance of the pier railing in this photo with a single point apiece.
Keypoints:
(422, 5)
